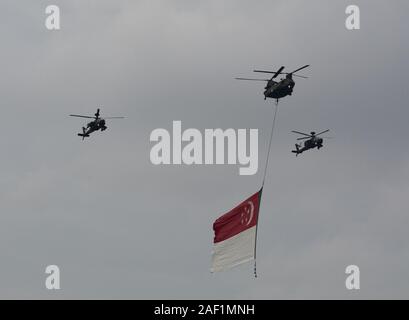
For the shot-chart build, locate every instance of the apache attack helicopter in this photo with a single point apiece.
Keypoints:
(97, 124)
(313, 141)
(277, 90)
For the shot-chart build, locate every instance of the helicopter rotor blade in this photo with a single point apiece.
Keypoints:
(295, 75)
(265, 71)
(252, 79)
(305, 134)
(303, 138)
(307, 65)
(322, 132)
(80, 116)
(114, 117)
(277, 73)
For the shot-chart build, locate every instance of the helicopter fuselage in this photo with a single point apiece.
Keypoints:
(97, 124)
(277, 90)
(314, 142)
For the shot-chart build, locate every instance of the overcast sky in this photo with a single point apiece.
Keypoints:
(120, 227)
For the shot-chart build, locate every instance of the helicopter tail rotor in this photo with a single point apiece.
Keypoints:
(297, 150)
(84, 133)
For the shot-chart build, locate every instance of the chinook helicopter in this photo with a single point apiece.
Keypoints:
(97, 124)
(313, 141)
(278, 89)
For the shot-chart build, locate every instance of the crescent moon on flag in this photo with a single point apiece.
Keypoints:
(251, 212)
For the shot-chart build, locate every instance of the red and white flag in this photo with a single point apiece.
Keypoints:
(235, 235)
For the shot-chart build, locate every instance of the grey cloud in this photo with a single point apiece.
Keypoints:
(120, 227)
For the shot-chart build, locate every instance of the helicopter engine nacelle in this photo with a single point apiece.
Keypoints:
(102, 125)
(309, 144)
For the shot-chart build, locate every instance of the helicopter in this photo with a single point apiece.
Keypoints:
(313, 142)
(97, 124)
(277, 90)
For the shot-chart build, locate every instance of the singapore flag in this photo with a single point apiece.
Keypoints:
(235, 235)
